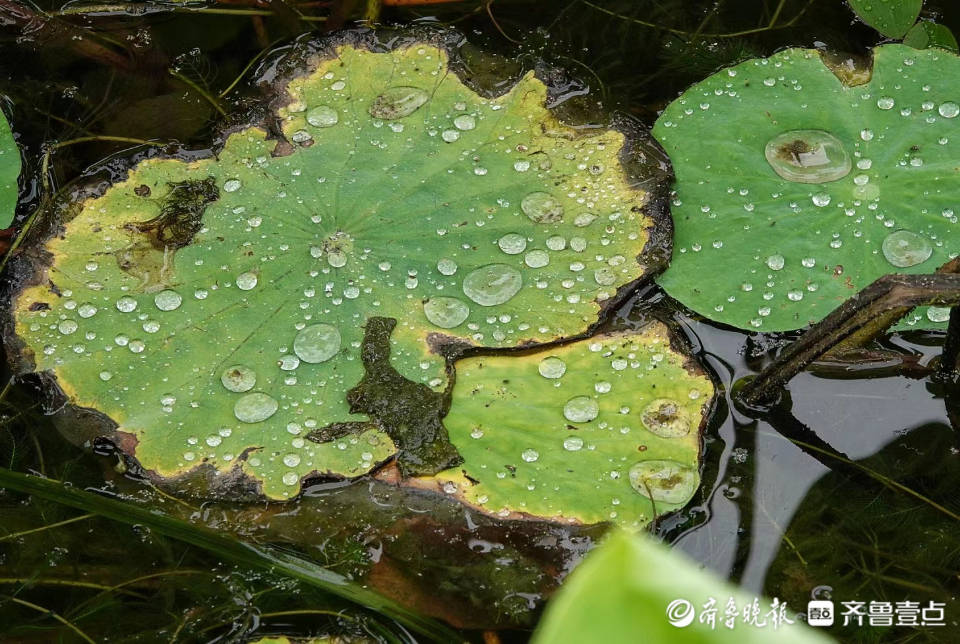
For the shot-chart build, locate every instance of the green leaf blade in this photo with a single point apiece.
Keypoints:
(9, 173)
(892, 18)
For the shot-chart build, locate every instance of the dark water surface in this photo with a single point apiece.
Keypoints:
(859, 491)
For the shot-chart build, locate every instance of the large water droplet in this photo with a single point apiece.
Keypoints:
(397, 102)
(552, 367)
(246, 281)
(255, 407)
(663, 480)
(536, 258)
(126, 304)
(167, 300)
(446, 266)
(542, 207)
(581, 409)
(512, 243)
(775, 262)
(904, 248)
(317, 343)
(322, 116)
(231, 185)
(492, 284)
(445, 312)
(290, 478)
(530, 455)
(572, 443)
(238, 378)
(465, 122)
(938, 313)
(948, 110)
(808, 156)
(664, 417)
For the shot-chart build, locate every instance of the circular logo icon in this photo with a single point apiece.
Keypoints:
(680, 613)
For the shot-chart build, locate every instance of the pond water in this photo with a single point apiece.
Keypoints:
(856, 490)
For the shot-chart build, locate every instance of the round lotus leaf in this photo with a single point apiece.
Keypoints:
(603, 429)
(214, 307)
(794, 191)
(9, 173)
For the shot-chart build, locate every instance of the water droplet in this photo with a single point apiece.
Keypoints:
(808, 156)
(572, 444)
(398, 102)
(820, 199)
(322, 116)
(105, 375)
(255, 407)
(948, 110)
(167, 300)
(447, 266)
(238, 378)
(581, 409)
(317, 343)
(664, 417)
(66, 327)
(492, 284)
(536, 258)
(290, 478)
(529, 455)
(664, 480)
(938, 313)
(445, 312)
(86, 310)
(291, 460)
(775, 262)
(512, 243)
(904, 248)
(231, 185)
(246, 281)
(542, 208)
(885, 103)
(552, 367)
(604, 276)
(465, 122)
(449, 135)
(289, 363)
(126, 304)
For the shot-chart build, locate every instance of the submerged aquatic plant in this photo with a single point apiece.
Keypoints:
(289, 306)
(794, 190)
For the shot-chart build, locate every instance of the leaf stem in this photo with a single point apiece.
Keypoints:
(49, 526)
(47, 611)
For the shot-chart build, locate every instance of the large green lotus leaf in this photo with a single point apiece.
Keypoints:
(632, 588)
(9, 173)
(603, 429)
(892, 18)
(215, 308)
(756, 250)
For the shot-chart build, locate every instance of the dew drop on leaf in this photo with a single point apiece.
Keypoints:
(238, 378)
(398, 102)
(446, 312)
(663, 480)
(581, 409)
(552, 367)
(808, 156)
(492, 284)
(664, 417)
(317, 343)
(542, 207)
(904, 248)
(167, 300)
(322, 116)
(255, 407)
